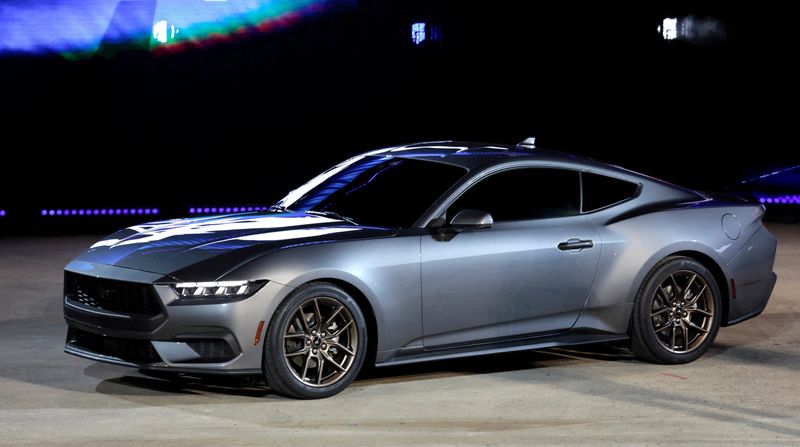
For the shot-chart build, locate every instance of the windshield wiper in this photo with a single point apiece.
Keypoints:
(334, 215)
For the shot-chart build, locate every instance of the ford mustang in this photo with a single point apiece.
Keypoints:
(424, 252)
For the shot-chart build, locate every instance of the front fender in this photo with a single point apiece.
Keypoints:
(385, 270)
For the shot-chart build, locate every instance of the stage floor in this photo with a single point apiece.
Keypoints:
(746, 390)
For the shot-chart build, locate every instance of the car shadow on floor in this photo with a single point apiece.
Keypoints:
(154, 383)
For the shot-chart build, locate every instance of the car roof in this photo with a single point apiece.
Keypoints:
(478, 156)
(473, 156)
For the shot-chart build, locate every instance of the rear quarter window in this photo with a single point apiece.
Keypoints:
(600, 191)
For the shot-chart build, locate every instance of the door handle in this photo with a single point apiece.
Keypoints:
(575, 244)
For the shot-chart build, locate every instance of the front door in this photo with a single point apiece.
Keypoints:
(529, 274)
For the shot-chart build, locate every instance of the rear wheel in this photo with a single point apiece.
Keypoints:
(677, 312)
(316, 342)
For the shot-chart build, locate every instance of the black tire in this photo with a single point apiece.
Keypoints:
(659, 304)
(313, 344)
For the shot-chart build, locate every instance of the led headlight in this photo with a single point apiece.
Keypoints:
(218, 289)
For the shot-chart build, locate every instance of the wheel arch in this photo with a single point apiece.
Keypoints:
(366, 308)
(707, 261)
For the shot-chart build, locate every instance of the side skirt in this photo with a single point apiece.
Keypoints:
(564, 339)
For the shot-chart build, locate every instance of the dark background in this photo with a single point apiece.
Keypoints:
(244, 122)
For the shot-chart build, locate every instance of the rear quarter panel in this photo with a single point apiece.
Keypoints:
(631, 248)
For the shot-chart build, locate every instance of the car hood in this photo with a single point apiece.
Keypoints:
(206, 248)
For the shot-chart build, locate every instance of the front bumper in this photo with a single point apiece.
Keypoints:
(201, 338)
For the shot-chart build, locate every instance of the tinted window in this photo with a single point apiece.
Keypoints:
(523, 194)
(600, 191)
(376, 190)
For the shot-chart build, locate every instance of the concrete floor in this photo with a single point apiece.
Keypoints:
(746, 390)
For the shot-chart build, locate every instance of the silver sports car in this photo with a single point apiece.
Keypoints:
(421, 252)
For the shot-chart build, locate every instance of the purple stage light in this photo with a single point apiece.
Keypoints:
(2, 213)
(781, 200)
(225, 209)
(96, 211)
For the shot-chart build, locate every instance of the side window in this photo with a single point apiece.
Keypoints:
(519, 194)
(600, 191)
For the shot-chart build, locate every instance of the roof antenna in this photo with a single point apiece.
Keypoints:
(528, 143)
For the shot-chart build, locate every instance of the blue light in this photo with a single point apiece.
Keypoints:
(2, 213)
(770, 174)
(226, 209)
(418, 33)
(77, 28)
(96, 212)
(787, 199)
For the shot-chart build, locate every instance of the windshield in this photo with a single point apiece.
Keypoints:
(375, 190)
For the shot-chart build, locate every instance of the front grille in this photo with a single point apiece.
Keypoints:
(211, 351)
(129, 350)
(115, 296)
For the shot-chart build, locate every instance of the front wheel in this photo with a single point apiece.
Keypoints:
(677, 312)
(316, 342)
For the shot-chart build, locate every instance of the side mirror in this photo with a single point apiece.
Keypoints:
(470, 219)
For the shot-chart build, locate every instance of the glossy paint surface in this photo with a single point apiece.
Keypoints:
(433, 291)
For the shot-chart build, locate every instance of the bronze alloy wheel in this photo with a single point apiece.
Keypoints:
(677, 312)
(682, 311)
(320, 342)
